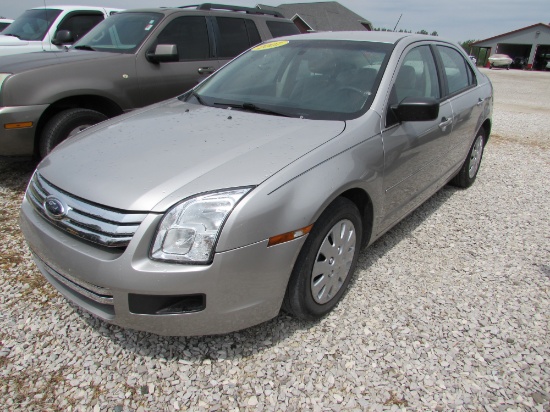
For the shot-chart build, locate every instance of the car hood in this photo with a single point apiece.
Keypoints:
(17, 63)
(148, 161)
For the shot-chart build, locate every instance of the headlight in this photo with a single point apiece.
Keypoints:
(188, 232)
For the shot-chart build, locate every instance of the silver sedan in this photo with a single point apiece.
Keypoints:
(255, 191)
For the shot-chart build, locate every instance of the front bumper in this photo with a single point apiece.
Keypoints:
(242, 287)
(19, 141)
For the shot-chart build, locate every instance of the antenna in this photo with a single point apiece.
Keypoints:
(398, 20)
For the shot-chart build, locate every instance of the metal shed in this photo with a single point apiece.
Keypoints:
(529, 47)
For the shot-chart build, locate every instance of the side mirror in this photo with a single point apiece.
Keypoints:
(163, 53)
(63, 37)
(416, 109)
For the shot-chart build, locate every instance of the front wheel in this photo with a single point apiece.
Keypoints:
(468, 172)
(66, 124)
(326, 262)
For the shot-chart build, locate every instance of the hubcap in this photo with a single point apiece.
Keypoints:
(475, 157)
(333, 261)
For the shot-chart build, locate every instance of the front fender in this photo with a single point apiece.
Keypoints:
(48, 84)
(296, 196)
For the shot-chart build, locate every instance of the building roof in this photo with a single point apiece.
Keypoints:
(545, 26)
(322, 16)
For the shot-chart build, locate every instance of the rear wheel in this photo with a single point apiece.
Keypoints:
(326, 262)
(468, 173)
(66, 124)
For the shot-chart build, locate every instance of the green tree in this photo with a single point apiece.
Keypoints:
(467, 45)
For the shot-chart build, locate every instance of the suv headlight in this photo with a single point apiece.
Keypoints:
(188, 232)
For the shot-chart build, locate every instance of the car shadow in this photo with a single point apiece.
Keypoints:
(258, 338)
(15, 172)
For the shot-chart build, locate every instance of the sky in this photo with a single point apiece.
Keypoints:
(456, 20)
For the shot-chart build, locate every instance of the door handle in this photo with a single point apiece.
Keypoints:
(444, 123)
(203, 70)
(479, 101)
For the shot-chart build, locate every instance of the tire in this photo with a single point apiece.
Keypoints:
(66, 124)
(332, 246)
(468, 172)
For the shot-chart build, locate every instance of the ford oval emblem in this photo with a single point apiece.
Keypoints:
(54, 208)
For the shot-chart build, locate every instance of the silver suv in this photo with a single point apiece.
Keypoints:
(132, 59)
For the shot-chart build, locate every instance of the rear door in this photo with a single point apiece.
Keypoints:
(466, 101)
(233, 36)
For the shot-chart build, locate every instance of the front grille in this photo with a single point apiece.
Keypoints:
(98, 224)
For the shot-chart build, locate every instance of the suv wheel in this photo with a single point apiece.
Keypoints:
(66, 124)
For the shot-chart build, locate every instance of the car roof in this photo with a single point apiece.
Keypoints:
(373, 36)
(73, 7)
(195, 9)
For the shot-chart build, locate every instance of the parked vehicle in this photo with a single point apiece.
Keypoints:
(255, 190)
(500, 60)
(50, 29)
(132, 59)
(5, 23)
(519, 62)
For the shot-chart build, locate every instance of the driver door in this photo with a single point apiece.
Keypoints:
(160, 81)
(414, 151)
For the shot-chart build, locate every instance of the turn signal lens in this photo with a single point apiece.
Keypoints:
(287, 237)
(22, 125)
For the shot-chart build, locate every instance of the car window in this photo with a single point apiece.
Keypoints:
(281, 28)
(318, 80)
(33, 24)
(236, 36)
(80, 24)
(459, 74)
(120, 33)
(417, 77)
(190, 35)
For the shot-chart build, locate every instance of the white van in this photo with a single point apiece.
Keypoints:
(50, 29)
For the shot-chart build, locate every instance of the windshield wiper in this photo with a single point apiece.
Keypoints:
(12, 35)
(84, 47)
(251, 107)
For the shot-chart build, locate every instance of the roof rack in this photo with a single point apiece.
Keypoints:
(247, 10)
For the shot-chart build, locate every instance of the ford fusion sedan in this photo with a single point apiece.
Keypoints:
(255, 191)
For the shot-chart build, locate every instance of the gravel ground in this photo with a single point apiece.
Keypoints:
(448, 311)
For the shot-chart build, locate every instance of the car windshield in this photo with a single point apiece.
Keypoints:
(120, 33)
(314, 79)
(32, 24)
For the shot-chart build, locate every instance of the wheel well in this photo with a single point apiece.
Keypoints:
(363, 202)
(97, 103)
